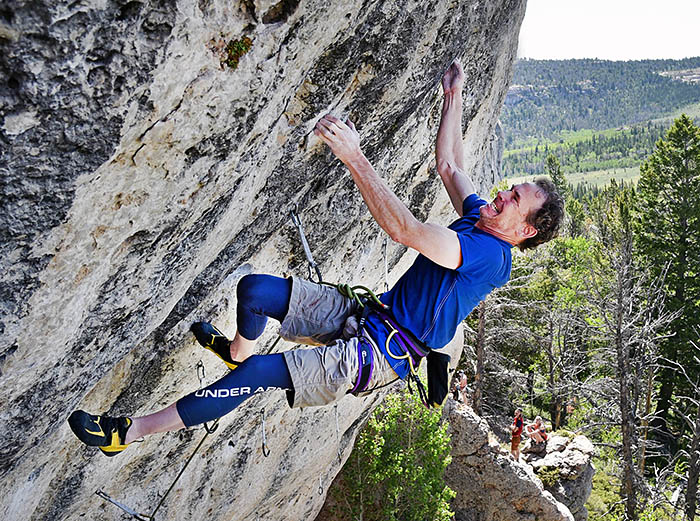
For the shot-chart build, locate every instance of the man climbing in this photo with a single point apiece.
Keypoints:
(457, 267)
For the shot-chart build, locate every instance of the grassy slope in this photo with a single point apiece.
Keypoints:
(598, 177)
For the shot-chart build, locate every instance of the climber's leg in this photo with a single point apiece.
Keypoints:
(258, 373)
(259, 297)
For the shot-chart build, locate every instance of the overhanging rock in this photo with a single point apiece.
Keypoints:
(141, 179)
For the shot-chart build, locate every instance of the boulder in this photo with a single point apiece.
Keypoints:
(567, 463)
(489, 484)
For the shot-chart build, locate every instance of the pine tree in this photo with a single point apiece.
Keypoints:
(669, 235)
(553, 170)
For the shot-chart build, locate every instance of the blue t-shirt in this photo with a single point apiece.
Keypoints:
(431, 301)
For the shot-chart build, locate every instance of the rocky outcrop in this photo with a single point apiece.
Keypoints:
(142, 177)
(490, 485)
(550, 482)
(566, 470)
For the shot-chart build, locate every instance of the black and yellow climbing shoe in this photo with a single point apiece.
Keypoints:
(104, 432)
(215, 341)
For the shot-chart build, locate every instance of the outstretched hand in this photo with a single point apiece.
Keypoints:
(453, 79)
(340, 136)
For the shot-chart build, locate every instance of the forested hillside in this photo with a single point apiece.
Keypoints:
(598, 332)
(548, 96)
(593, 114)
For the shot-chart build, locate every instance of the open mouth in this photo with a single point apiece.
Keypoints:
(494, 208)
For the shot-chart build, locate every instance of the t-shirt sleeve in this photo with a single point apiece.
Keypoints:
(471, 205)
(481, 255)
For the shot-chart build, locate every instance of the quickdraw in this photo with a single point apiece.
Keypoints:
(265, 449)
(313, 267)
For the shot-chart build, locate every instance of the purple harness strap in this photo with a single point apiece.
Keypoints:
(409, 344)
(366, 365)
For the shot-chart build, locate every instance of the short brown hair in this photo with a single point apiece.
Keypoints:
(548, 218)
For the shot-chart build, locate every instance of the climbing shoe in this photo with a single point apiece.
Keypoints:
(215, 341)
(104, 432)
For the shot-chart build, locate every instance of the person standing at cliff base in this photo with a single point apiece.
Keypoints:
(516, 431)
(360, 351)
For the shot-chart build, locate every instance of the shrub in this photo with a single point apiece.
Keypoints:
(396, 470)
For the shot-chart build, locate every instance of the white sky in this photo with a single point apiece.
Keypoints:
(610, 29)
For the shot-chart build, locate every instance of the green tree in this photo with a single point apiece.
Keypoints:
(631, 313)
(396, 470)
(553, 170)
(669, 238)
(576, 217)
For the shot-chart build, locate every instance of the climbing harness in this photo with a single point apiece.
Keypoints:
(413, 349)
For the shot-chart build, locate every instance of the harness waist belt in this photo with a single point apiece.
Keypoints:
(366, 366)
(408, 340)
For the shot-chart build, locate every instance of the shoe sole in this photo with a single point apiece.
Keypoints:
(231, 366)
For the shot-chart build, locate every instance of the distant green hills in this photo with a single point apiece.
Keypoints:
(596, 116)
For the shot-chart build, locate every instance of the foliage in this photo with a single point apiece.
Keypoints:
(668, 235)
(585, 150)
(549, 96)
(548, 475)
(397, 466)
(234, 50)
(604, 500)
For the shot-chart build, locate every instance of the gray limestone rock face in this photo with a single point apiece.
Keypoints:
(490, 485)
(572, 459)
(141, 178)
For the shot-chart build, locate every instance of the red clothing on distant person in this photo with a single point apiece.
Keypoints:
(517, 428)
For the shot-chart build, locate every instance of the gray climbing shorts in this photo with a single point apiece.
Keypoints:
(319, 315)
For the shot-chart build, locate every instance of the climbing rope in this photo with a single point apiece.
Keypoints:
(209, 430)
(162, 500)
(357, 293)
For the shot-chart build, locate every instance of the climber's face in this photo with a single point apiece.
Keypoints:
(506, 217)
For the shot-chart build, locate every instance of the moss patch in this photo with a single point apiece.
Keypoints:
(548, 475)
(234, 50)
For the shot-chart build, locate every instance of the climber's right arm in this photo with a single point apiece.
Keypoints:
(438, 243)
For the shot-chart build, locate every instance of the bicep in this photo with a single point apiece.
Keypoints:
(438, 243)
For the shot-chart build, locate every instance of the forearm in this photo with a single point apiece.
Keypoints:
(449, 146)
(438, 243)
(388, 210)
(449, 150)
